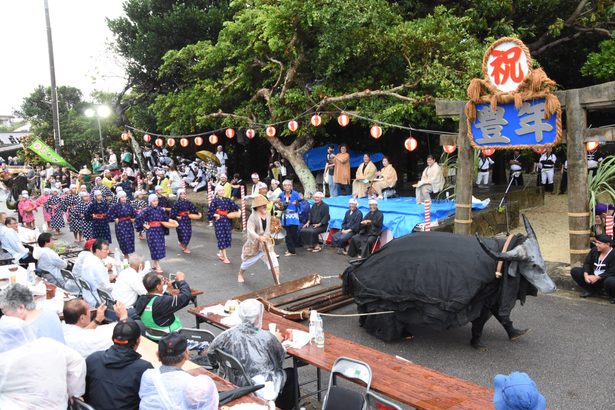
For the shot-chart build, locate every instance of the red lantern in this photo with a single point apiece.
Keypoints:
(230, 133)
(316, 120)
(159, 142)
(449, 149)
(293, 125)
(171, 142)
(147, 138)
(213, 139)
(591, 145)
(539, 151)
(411, 143)
(198, 141)
(343, 120)
(184, 142)
(250, 133)
(375, 131)
(125, 136)
(488, 152)
(270, 131)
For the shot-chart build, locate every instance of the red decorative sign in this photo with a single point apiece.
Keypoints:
(507, 62)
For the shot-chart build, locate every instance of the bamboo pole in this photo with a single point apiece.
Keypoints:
(463, 184)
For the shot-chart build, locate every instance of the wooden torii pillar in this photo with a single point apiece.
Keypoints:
(576, 102)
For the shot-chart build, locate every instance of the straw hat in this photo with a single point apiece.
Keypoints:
(259, 201)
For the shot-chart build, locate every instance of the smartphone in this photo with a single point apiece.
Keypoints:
(110, 303)
(171, 277)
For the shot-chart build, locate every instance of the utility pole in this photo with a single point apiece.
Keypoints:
(54, 90)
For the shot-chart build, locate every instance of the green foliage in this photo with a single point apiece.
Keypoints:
(600, 186)
(601, 64)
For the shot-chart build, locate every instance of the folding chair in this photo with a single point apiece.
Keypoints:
(69, 277)
(324, 237)
(198, 336)
(375, 402)
(230, 367)
(105, 296)
(86, 286)
(376, 245)
(342, 398)
(48, 277)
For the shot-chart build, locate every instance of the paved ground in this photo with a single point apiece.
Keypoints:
(569, 351)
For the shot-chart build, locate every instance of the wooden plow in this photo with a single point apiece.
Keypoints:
(289, 301)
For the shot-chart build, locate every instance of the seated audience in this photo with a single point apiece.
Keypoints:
(598, 271)
(362, 243)
(36, 372)
(365, 174)
(432, 181)
(165, 387)
(18, 301)
(114, 375)
(157, 308)
(94, 271)
(82, 333)
(12, 244)
(517, 391)
(350, 226)
(48, 259)
(386, 178)
(129, 283)
(317, 223)
(261, 353)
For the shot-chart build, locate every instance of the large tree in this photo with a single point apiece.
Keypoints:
(280, 59)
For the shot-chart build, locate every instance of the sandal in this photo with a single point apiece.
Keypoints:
(240, 279)
(226, 261)
(186, 250)
(317, 249)
(289, 254)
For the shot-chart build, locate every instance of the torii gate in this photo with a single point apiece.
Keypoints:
(576, 102)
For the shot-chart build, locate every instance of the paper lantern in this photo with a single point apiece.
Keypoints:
(125, 136)
(411, 143)
(184, 142)
(375, 131)
(449, 149)
(198, 141)
(539, 151)
(159, 142)
(488, 152)
(147, 138)
(250, 133)
(213, 139)
(230, 133)
(171, 142)
(315, 120)
(343, 120)
(270, 131)
(293, 125)
(591, 145)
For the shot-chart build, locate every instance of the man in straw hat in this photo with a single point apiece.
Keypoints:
(259, 243)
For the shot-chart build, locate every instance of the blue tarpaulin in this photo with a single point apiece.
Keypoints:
(401, 214)
(316, 157)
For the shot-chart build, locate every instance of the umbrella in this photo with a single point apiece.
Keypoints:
(208, 156)
(230, 395)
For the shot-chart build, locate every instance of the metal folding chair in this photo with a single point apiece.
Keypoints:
(105, 296)
(341, 398)
(230, 368)
(86, 286)
(69, 277)
(375, 402)
(198, 335)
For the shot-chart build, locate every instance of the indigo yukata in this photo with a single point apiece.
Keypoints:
(123, 213)
(69, 203)
(54, 208)
(79, 218)
(180, 211)
(223, 227)
(155, 233)
(98, 213)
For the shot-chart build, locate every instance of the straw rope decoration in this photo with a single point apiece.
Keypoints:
(535, 85)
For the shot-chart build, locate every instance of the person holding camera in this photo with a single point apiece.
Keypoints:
(157, 309)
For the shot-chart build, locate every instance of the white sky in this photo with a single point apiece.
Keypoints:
(81, 40)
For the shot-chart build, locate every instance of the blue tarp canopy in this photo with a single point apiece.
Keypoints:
(401, 214)
(316, 157)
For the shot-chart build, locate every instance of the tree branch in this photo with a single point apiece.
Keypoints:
(576, 13)
(393, 92)
(294, 66)
(559, 41)
(228, 114)
(278, 62)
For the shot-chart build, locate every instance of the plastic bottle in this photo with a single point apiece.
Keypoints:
(313, 317)
(31, 274)
(319, 332)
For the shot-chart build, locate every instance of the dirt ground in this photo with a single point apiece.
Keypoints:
(550, 222)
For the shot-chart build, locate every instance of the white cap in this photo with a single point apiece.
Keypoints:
(318, 194)
(372, 201)
(120, 194)
(353, 201)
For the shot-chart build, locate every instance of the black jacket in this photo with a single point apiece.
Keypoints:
(319, 214)
(352, 222)
(592, 259)
(165, 306)
(113, 378)
(374, 228)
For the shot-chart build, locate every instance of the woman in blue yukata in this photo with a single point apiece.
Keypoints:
(97, 213)
(221, 211)
(123, 214)
(184, 211)
(154, 220)
(55, 209)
